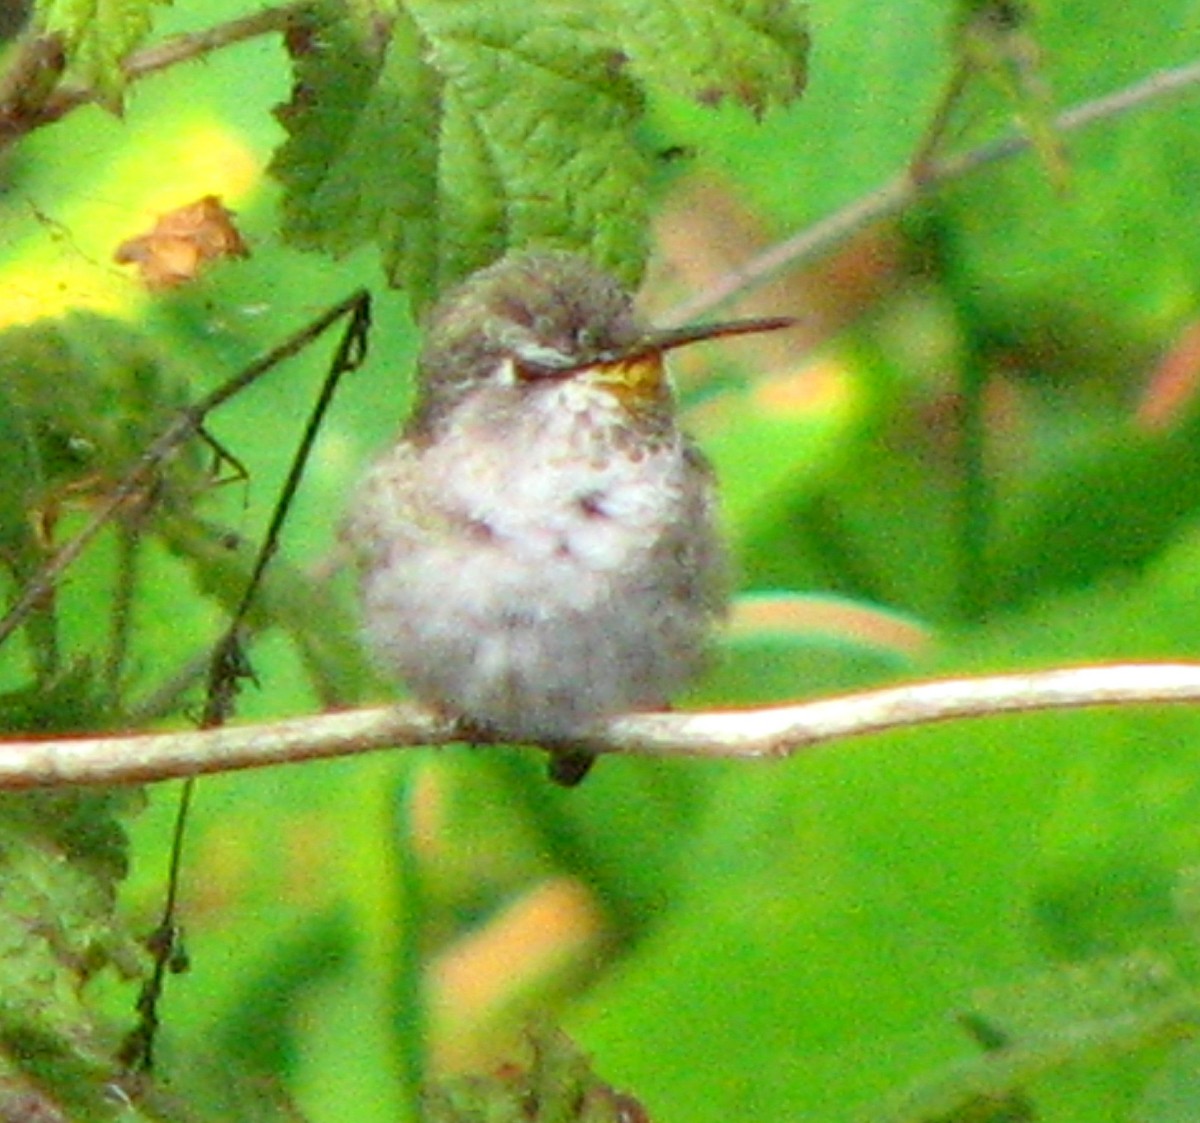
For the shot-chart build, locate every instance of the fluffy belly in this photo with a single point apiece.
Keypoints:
(533, 638)
(534, 570)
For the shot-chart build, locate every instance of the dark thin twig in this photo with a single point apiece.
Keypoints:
(137, 1050)
(186, 424)
(935, 132)
(229, 667)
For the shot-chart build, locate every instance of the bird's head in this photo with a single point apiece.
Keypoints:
(539, 317)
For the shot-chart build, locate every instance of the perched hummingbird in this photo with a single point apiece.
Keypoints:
(539, 549)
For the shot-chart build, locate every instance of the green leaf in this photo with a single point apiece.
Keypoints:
(458, 133)
(98, 34)
(1093, 508)
(1173, 1096)
(753, 52)
(61, 856)
(451, 132)
(781, 646)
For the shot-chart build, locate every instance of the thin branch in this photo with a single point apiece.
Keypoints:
(901, 192)
(774, 732)
(150, 60)
(184, 48)
(186, 425)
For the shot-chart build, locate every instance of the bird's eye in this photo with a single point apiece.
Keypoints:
(527, 370)
(533, 361)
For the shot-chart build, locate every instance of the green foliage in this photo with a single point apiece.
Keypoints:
(558, 1086)
(98, 34)
(995, 43)
(63, 943)
(754, 54)
(67, 451)
(449, 132)
(64, 449)
(1128, 182)
(802, 940)
(61, 857)
(1103, 1016)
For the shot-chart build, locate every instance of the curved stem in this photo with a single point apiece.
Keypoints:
(772, 732)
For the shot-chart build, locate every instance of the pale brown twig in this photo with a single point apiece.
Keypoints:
(899, 193)
(773, 732)
(151, 60)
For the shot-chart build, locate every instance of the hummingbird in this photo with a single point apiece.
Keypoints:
(540, 549)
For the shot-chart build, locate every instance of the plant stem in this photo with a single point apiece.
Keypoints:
(774, 732)
(899, 193)
(150, 60)
(185, 426)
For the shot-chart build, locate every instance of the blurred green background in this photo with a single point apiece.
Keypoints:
(978, 452)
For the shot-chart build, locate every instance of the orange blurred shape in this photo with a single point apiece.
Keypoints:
(1172, 385)
(799, 615)
(537, 937)
(820, 384)
(182, 243)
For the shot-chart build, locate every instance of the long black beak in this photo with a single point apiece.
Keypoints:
(656, 342)
(670, 338)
